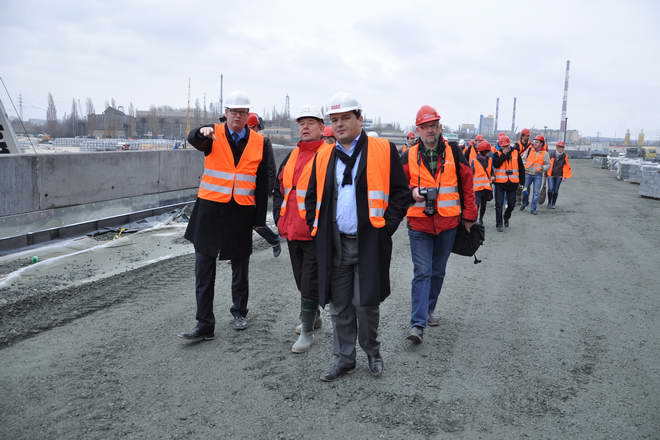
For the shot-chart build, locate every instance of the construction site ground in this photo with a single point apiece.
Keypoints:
(556, 335)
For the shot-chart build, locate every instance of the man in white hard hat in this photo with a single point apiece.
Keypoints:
(232, 199)
(356, 198)
(289, 215)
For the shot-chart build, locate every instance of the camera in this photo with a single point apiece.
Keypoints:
(509, 172)
(431, 196)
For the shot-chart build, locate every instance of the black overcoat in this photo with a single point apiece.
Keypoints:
(225, 229)
(375, 244)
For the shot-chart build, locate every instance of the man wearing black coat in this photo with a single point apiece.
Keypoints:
(354, 255)
(223, 230)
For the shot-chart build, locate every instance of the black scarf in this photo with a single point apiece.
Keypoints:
(349, 161)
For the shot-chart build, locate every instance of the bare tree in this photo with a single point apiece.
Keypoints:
(51, 116)
(113, 103)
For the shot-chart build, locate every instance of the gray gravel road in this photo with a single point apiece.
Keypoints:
(556, 335)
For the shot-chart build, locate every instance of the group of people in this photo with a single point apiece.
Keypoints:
(513, 172)
(338, 197)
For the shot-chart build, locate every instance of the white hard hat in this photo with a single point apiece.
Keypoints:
(372, 134)
(237, 99)
(461, 142)
(309, 111)
(342, 102)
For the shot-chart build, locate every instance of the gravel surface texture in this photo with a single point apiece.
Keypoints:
(556, 335)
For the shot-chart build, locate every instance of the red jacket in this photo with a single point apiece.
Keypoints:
(292, 226)
(437, 223)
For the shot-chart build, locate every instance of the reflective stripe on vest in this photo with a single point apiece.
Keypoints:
(501, 175)
(378, 179)
(534, 160)
(448, 203)
(481, 179)
(287, 179)
(222, 179)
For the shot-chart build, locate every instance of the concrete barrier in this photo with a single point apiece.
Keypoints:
(650, 182)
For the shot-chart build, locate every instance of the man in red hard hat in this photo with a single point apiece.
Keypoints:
(537, 163)
(523, 142)
(509, 173)
(443, 194)
(328, 135)
(410, 141)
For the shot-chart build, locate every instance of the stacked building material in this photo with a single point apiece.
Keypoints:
(599, 162)
(650, 183)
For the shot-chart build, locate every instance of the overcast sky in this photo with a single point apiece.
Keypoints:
(393, 56)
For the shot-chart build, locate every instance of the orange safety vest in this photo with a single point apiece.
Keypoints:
(522, 148)
(287, 182)
(378, 179)
(222, 179)
(472, 153)
(449, 201)
(501, 175)
(534, 160)
(567, 171)
(481, 179)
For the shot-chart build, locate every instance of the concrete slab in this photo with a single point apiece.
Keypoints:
(650, 182)
(18, 184)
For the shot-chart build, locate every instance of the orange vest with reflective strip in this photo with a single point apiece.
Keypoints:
(223, 180)
(301, 187)
(472, 153)
(481, 179)
(534, 161)
(567, 171)
(449, 201)
(378, 179)
(501, 175)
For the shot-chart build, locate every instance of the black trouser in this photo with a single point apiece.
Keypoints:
(205, 267)
(305, 268)
(271, 237)
(500, 193)
(482, 198)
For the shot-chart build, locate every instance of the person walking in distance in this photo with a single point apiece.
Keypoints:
(442, 190)
(232, 199)
(254, 122)
(482, 168)
(509, 174)
(289, 214)
(357, 196)
(537, 163)
(558, 171)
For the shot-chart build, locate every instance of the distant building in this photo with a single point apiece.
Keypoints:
(169, 123)
(467, 131)
(487, 125)
(112, 123)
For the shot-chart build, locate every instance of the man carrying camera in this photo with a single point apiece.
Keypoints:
(509, 173)
(441, 183)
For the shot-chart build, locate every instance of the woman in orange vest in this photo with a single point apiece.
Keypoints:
(356, 198)
(537, 162)
(442, 189)
(289, 215)
(482, 168)
(559, 170)
(232, 199)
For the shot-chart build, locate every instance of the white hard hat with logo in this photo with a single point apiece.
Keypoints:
(342, 102)
(372, 134)
(237, 99)
(309, 111)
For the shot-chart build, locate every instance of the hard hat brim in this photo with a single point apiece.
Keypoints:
(343, 110)
(235, 106)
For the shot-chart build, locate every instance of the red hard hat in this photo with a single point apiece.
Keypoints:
(471, 143)
(483, 146)
(426, 113)
(410, 135)
(525, 132)
(252, 120)
(500, 135)
(540, 138)
(561, 144)
(327, 131)
(504, 141)
(479, 138)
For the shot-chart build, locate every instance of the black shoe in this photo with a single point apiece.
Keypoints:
(506, 223)
(522, 207)
(376, 365)
(197, 334)
(500, 228)
(277, 250)
(335, 372)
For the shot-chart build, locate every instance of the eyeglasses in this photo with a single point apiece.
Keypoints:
(238, 112)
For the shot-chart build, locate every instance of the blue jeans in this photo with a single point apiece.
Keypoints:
(429, 254)
(537, 180)
(553, 184)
